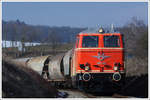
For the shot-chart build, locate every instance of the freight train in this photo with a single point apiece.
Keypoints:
(96, 60)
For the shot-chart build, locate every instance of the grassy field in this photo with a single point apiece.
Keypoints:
(36, 50)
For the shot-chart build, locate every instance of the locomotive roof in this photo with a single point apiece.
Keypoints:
(99, 33)
(96, 31)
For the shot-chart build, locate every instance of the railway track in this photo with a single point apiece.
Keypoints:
(74, 93)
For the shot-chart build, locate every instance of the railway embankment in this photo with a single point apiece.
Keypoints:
(136, 86)
(136, 82)
(19, 81)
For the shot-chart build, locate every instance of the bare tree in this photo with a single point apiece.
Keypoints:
(24, 37)
(135, 34)
(32, 35)
(14, 31)
(4, 32)
(53, 40)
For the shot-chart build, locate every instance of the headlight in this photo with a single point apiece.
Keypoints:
(115, 68)
(87, 68)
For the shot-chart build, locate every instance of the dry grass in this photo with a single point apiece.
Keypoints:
(37, 50)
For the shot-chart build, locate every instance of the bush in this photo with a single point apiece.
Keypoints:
(136, 66)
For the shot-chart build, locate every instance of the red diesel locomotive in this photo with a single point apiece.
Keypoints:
(98, 59)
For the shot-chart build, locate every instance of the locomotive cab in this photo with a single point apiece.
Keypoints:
(98, 58)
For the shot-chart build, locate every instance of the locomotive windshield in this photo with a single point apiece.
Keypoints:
(111, 41)
(90, 41)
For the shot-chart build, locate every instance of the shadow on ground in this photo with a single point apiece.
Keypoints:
(136, 86)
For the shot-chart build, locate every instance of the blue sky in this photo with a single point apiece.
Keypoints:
(74, 14)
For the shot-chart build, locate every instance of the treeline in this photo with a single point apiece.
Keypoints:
(20, 31)
(135, 37)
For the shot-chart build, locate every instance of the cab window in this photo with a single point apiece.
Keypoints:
(90, 41)
(111, 41)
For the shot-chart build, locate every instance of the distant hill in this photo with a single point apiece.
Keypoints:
(20, 31)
